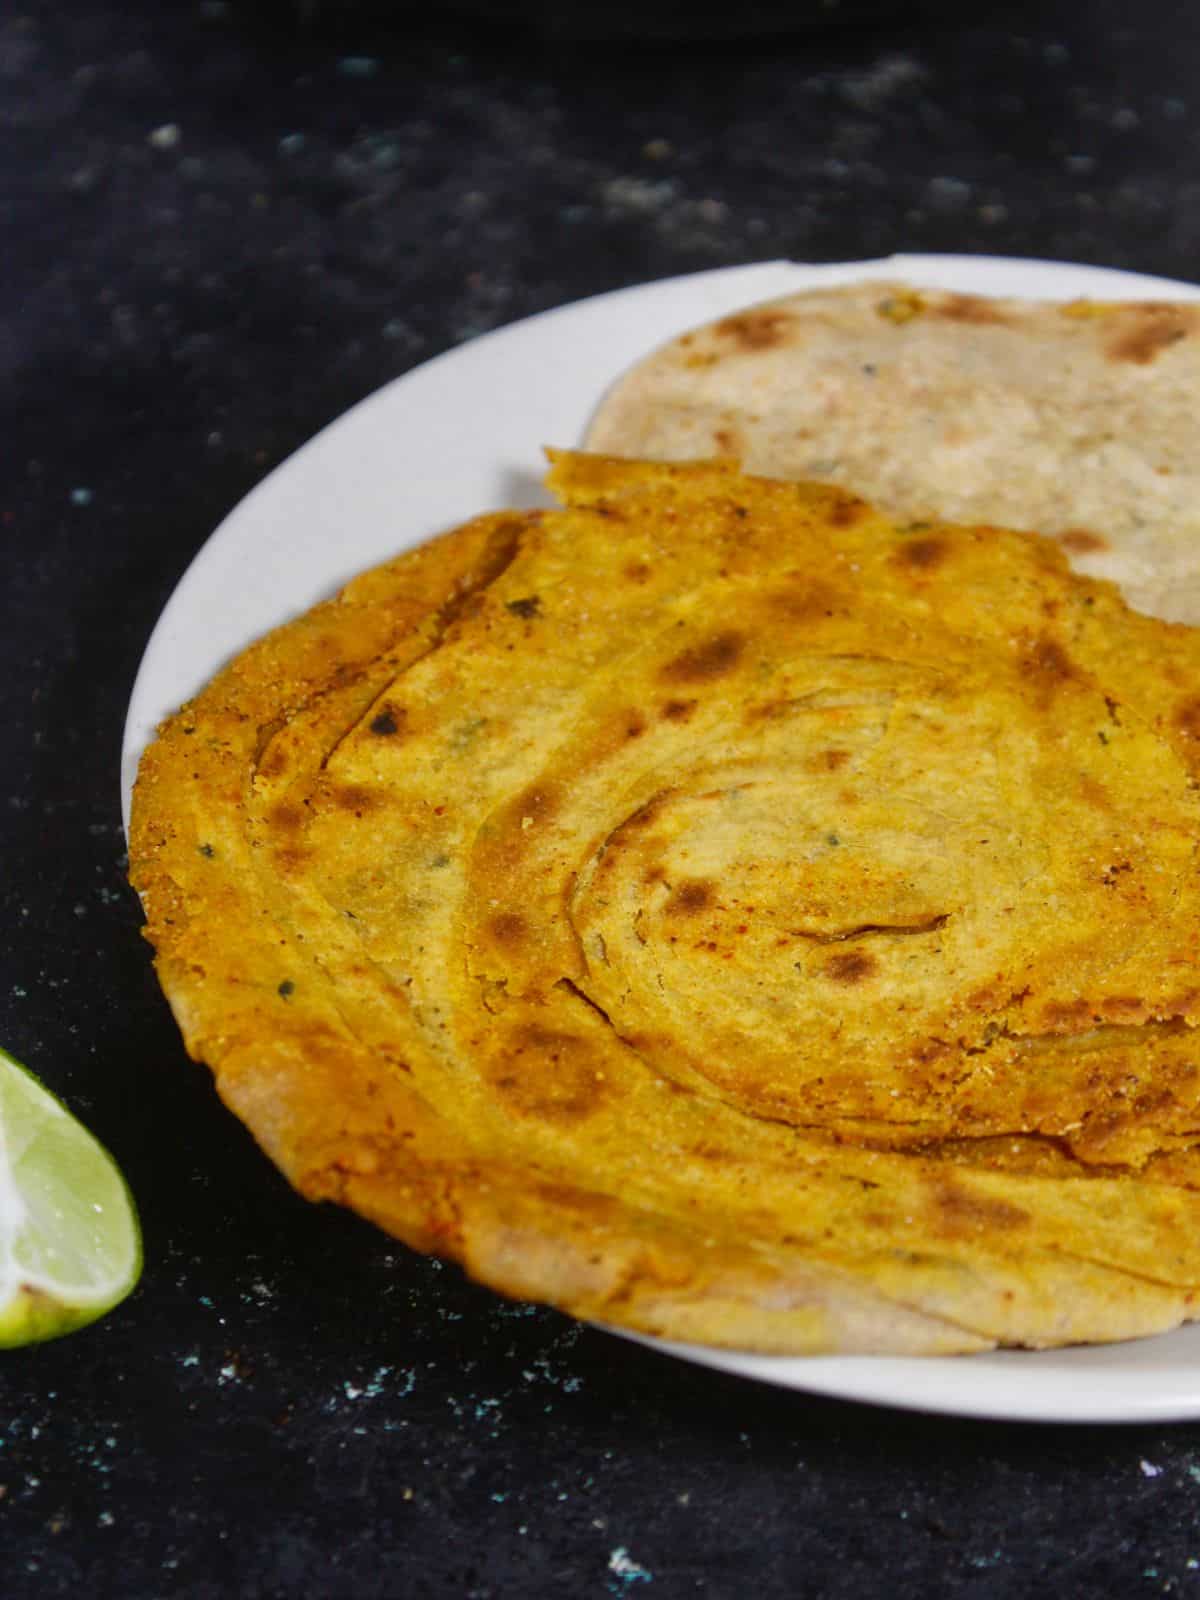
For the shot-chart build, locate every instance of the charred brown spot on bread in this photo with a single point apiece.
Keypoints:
(970, 308)
(760, 328)
(1148, 330)
(1094, 792)
(549, 1073)
(637, 571)
(678, 710)
(846, 510)
(1046, 664)
(528, 606)
(767, 710)
(616, 733)
(716, 1154)
(711, 658)
(388, 721)
(692, 897)
(923, 553)
(850, 966)
(290, 860)
(1067, 1016)
(1082, 541)
(957, 1209)
(539, 802)
(802, 599)
(354, 797)
(286, 818)
(831, 760)
(1187, 718)
(879, 1218)
(508, 927)
(345, 674)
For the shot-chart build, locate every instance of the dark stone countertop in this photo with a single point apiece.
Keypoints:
(219, 228)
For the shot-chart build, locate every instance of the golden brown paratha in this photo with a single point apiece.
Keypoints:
(1077, 420)
(717, 910)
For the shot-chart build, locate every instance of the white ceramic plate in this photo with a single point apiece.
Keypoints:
(464, 434)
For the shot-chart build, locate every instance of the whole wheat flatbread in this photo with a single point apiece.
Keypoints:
(717, 910)
(1078, 420)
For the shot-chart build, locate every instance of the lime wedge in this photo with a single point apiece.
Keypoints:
(70, 1246)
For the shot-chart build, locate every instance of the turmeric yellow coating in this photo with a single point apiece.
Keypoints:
(715, 909)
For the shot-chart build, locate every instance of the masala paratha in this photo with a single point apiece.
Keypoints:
(1076, 420)
(715, 909)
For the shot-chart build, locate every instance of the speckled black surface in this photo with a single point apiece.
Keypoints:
(219, 227)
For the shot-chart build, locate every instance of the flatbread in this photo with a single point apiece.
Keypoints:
(1077, 420)
(717, 910)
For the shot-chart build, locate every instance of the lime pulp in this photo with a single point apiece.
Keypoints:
(70, 1244)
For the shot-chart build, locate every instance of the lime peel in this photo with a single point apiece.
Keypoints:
(70, 1244)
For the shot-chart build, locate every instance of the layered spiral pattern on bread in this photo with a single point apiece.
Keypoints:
(715, 909)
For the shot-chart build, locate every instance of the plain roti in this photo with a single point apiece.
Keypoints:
(1076, 419)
